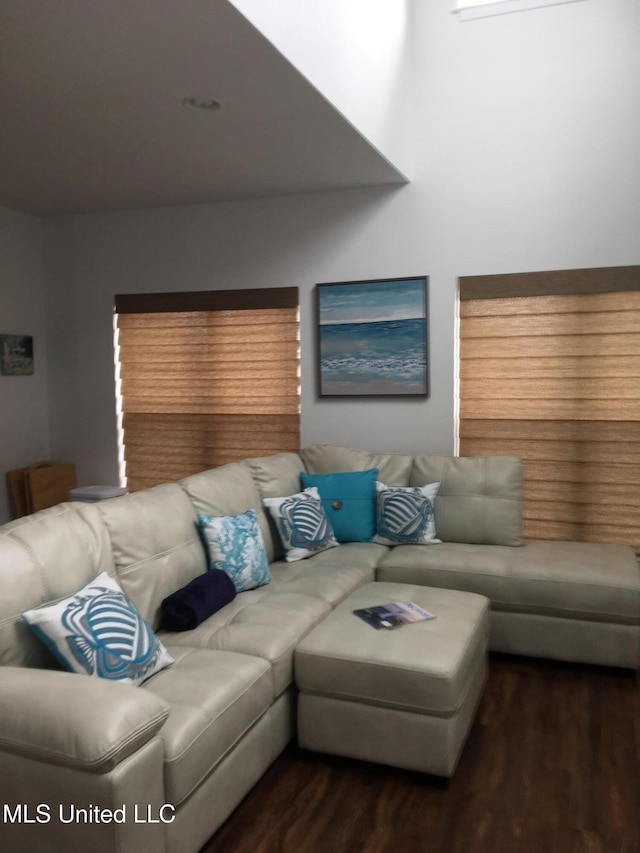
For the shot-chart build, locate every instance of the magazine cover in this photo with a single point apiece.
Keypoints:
(393, 615)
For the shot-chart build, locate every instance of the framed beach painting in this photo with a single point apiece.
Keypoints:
(372, 338)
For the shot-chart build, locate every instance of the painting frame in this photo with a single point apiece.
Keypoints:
(16, 355)
(372, 338)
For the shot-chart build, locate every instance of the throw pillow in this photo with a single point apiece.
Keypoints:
(186, 608)
(349, 500)
(236, 546)
(99, 632)
(302, 524)
(404, 516)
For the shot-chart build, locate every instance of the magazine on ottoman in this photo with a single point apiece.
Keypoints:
(393, 615)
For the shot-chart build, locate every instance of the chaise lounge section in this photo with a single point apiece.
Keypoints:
(573, 601)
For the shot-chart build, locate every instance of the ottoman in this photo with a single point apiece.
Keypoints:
(404, 697)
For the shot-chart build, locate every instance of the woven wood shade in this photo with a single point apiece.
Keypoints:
(555, 380)
(204, 388)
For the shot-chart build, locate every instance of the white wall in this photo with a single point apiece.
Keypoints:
(66, 409)
(355, 52)
(24, 428)
(528, 130)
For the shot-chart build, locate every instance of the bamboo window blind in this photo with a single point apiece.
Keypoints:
(206, 379)
(550, 372)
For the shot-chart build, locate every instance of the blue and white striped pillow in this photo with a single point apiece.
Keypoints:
(302, 524)
(405, 516)
(99, 632)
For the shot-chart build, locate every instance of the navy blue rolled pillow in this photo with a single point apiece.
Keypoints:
(186, 608)
(349, 500)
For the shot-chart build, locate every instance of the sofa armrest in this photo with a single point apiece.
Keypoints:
(75, 720)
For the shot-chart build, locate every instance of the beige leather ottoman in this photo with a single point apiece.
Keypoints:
(405, 697)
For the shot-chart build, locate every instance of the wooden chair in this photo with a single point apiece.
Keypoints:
(40, 486)
(17, 492)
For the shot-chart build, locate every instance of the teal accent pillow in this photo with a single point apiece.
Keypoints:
(349, 500)
(235, 545)
(99, 632)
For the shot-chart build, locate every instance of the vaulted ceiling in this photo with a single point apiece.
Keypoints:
(92, 115)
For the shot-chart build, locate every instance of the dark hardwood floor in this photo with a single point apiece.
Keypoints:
(552, 765)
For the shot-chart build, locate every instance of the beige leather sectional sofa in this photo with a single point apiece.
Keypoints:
(93, 765)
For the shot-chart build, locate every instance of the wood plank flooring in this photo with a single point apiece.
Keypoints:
(552, 765)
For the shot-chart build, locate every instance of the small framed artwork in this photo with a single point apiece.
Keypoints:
(372, 338)
(16, 355)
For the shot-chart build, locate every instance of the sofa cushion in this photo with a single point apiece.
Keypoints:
(235, 546)
(275, 476)
(581, 580)
(46, 557)
(329, 459)
(214, 698)
(228, 490)
(98, 632)
(155, 543)
(576, 580)
(265, 622)
(331, 575)
(393, 468)
(471, 568)
(480, 498)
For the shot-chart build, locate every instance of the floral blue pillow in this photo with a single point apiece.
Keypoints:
(302, 524)
(405, 516)
(99, 632)
(235, 545)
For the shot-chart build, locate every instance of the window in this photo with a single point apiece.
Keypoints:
(471, 9)
(549, 371)
(206, 378)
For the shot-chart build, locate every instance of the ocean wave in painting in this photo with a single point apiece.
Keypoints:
(380, 357)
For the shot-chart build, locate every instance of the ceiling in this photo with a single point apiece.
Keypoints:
(91, 114)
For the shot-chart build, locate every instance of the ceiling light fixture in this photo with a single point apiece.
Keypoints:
(203, 104)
